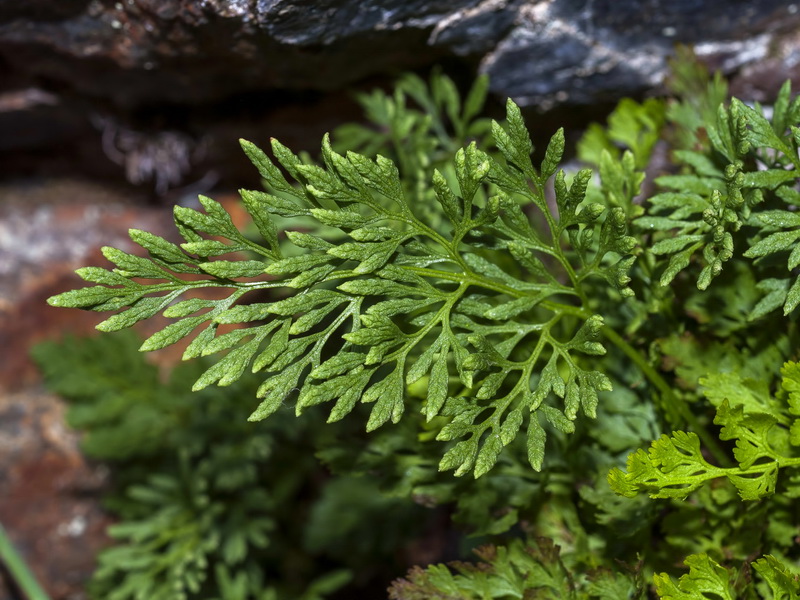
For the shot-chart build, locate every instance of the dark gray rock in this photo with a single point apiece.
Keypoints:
(135, 52)
(313, 22)
(42, 10)
(476, 30)
(586, 51)
(177, 65)
(147, 51)
(687, 21)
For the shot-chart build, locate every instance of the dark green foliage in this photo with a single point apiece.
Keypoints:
(514, 571)
(441, 280)
(211, 506)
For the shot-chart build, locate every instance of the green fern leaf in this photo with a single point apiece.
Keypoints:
(764, 432)
(706, 579)
(381, 299)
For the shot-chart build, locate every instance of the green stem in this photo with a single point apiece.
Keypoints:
(668, 395)
(555, 234)
(19, 571)
(573, 277)
(441, 316)
(714, 472)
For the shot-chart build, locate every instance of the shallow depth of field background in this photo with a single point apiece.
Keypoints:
(112, 112)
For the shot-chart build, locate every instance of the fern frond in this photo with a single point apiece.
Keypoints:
(765, 440)
(514, 571)
(752, 163)
(374, 299)
(708, 579)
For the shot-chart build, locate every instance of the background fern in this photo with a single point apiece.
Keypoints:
(209, 505)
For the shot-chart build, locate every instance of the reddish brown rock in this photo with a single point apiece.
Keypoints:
(49, 494)
(47, 231)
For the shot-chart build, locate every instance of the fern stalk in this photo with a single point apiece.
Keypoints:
(18, 570)
(669, 397)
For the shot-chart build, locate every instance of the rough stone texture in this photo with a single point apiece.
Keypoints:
(585, 51)
(141, 51)
(182, 51)
(137, 89)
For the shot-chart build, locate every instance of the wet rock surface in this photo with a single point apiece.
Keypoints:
(580, 52)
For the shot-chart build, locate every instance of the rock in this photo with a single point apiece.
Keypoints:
(49, 494)
(138, 88)
(760, 80)
(48, 230)
(137, 52)
(589, 51)
(476, 30)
